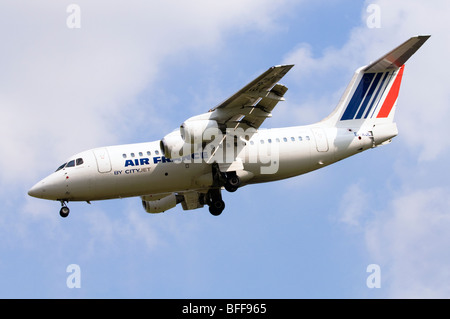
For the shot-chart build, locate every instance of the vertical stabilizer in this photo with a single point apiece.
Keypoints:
(372, 94)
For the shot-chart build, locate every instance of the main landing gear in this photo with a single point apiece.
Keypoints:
(229, 180)
(64, 211)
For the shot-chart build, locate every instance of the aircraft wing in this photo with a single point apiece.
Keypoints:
(251, 105)
(238, 117)
(246, 110)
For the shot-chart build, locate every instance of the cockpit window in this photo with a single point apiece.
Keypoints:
(61, 167)
(78, 161)
(71, 163)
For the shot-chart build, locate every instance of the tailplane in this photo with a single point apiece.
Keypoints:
(371, 96)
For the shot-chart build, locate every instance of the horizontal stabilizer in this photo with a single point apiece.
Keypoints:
(397, 57)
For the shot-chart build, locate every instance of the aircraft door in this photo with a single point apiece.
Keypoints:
(103, 160)
(321, 139)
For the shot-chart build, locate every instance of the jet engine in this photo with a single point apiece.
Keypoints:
(201, 130)
(162, 204)
(173, 146)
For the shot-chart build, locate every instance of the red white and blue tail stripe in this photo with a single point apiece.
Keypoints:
(372, 94)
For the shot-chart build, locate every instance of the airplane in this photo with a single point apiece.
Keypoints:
(225, 148)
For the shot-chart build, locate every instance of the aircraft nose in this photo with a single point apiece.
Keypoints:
(37, 190)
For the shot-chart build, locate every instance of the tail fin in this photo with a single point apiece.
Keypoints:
(371, 95)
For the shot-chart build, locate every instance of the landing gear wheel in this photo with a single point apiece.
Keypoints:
(233, 183)
(216, 208)
(64, 212)
(215, 202)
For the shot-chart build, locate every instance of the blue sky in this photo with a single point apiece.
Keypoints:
(135, 70)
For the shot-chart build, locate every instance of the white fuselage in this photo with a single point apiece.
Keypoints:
(141, 169)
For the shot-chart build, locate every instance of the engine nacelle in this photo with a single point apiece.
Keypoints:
(199, 131)
(163, 204)
(173, 145)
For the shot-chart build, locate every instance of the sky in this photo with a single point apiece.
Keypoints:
(132, 71)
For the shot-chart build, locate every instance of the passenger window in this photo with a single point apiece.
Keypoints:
(124, 155)
(148, 153)
(269, 140)
(307, 138)
(132, 154)
(71, 163)
(300, 138)
(157, 152)
(284, 139)
(262, 141)
(140, 154)
(278, 140)
(251, 142)
(292, 139)
(79, 161)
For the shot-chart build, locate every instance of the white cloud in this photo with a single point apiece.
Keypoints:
(409, 240)
(406, 234)
(77, 87)
(353, 204)
(108, 233)
(66, 90)
(424, 95)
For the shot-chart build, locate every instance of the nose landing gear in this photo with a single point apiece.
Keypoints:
(64, 211)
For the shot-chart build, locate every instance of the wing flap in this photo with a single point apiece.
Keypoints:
(253, 115)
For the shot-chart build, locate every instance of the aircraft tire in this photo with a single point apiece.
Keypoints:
(216, 208)
(230, 188)
(64, 211)
(233, 183)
